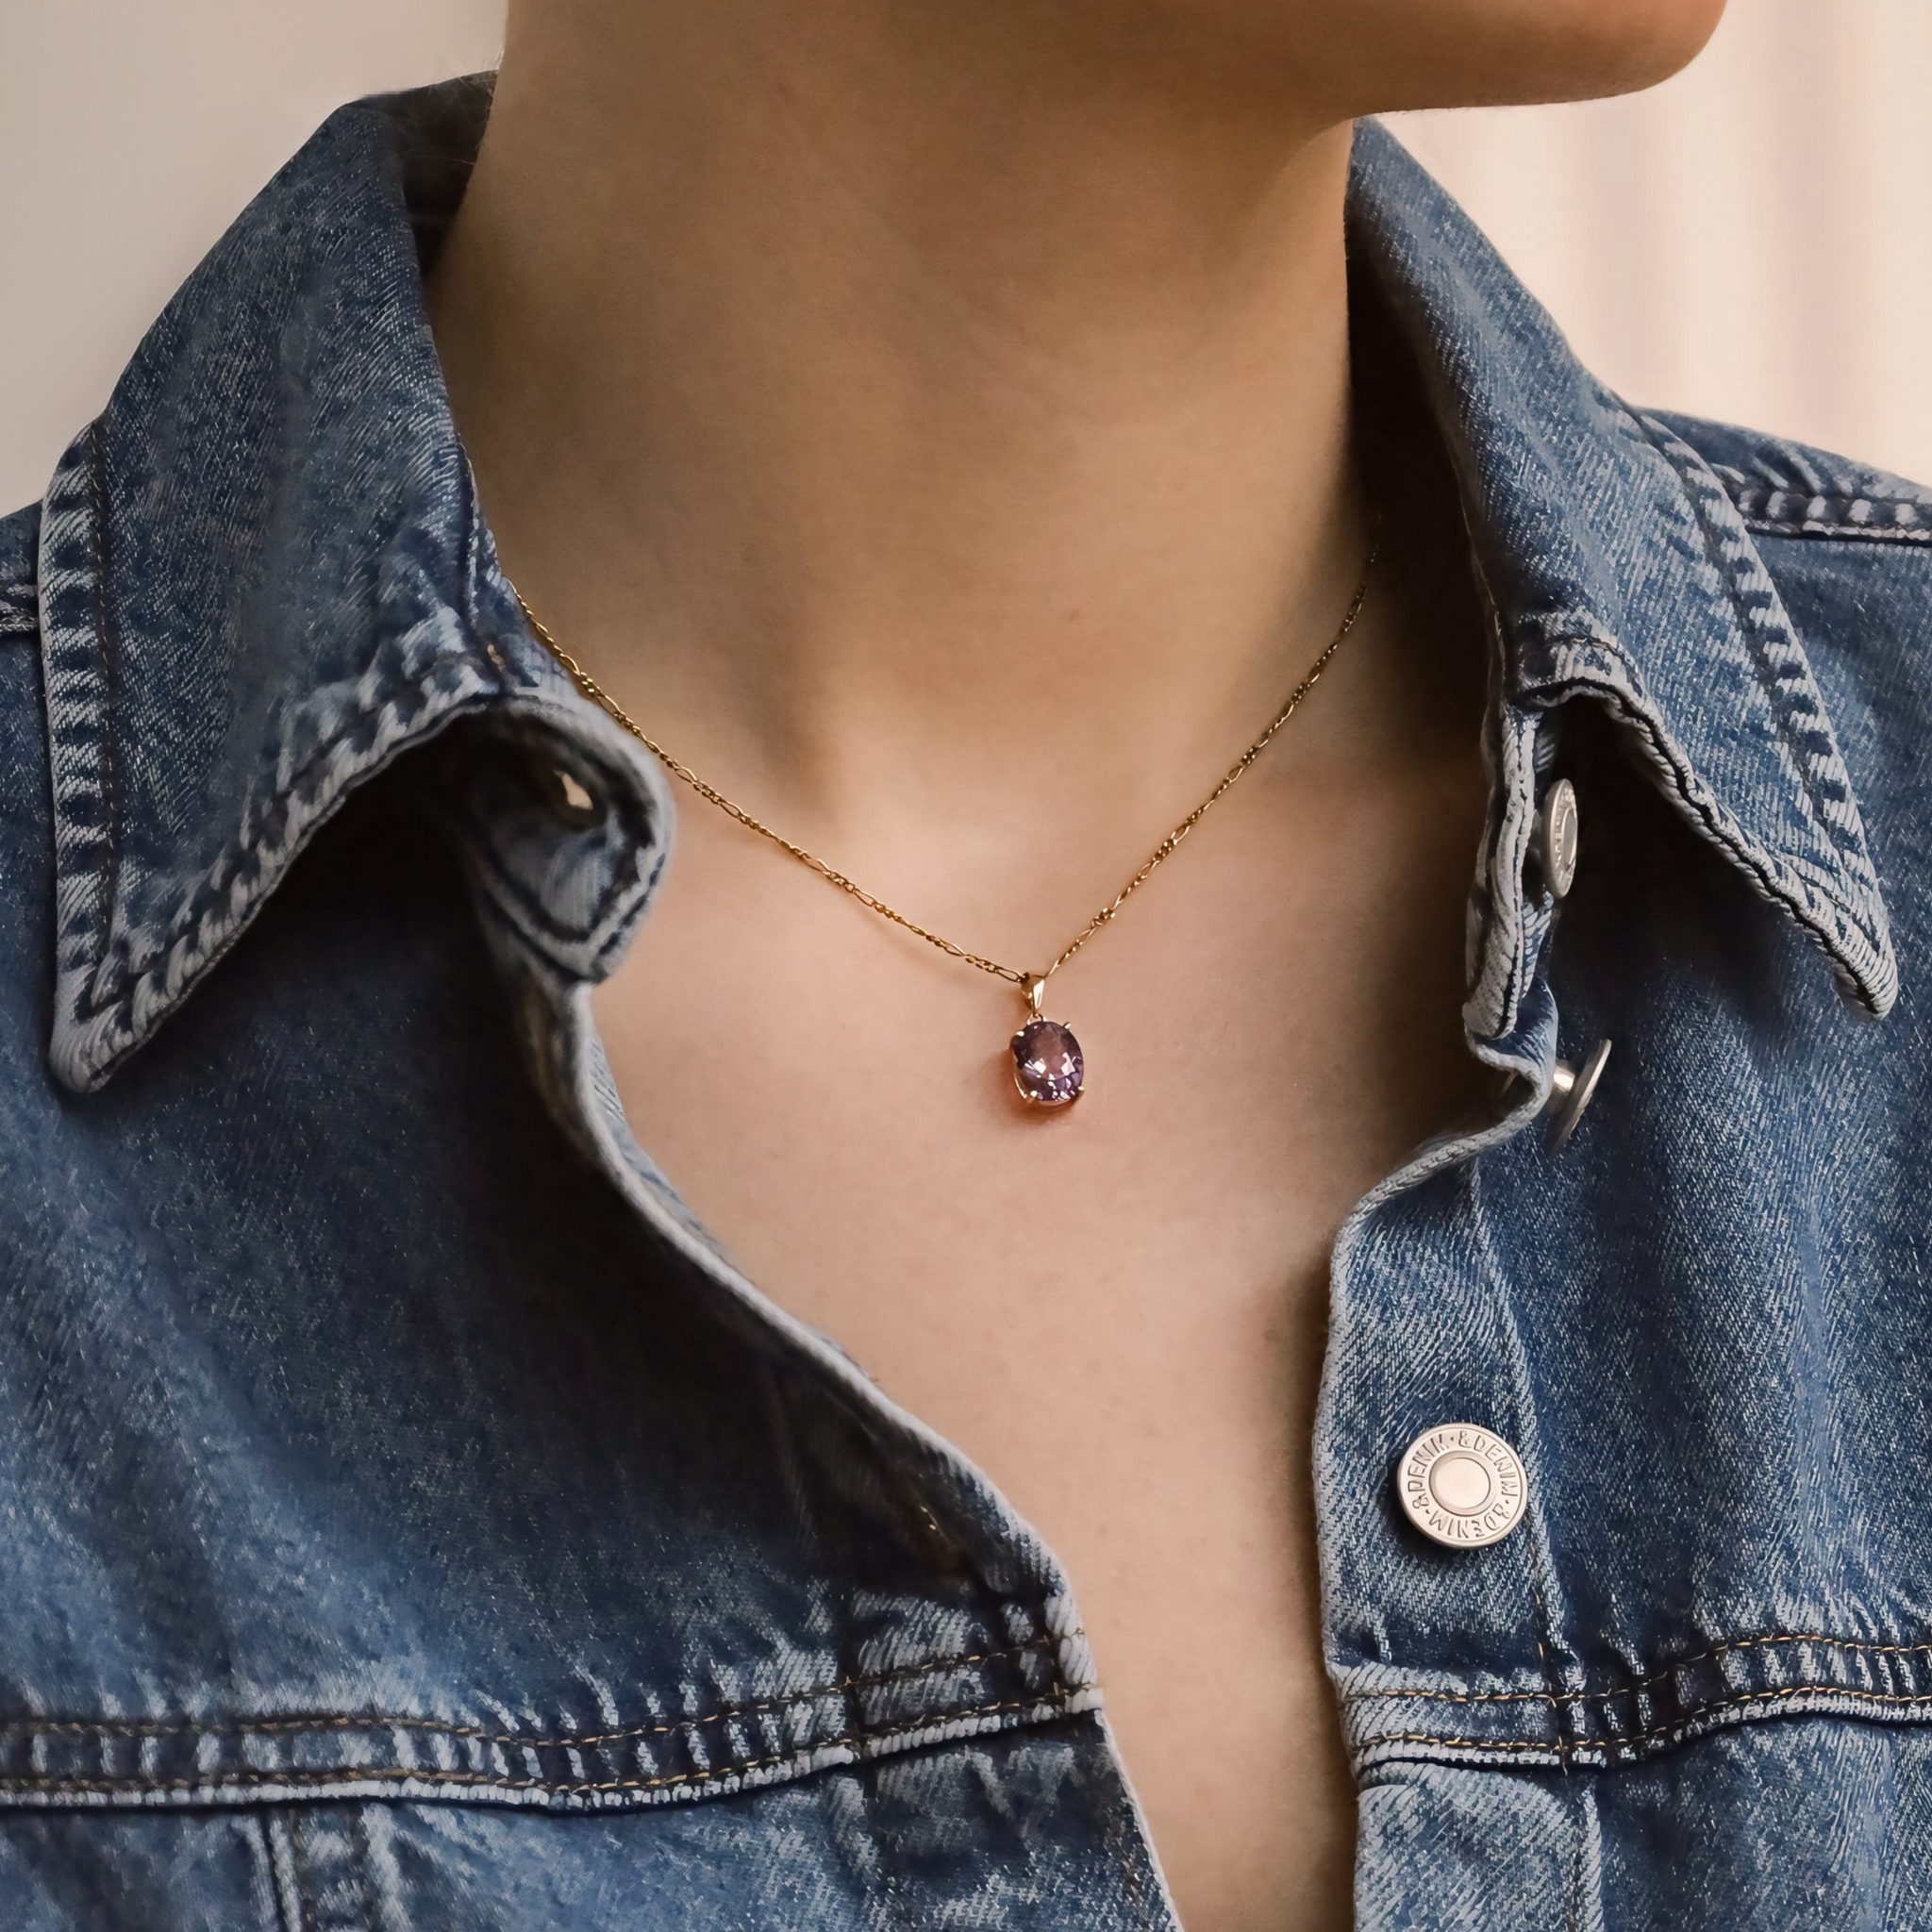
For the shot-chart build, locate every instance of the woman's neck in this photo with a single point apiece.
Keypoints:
(894, 403)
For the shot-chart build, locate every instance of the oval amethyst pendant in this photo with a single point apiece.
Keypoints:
(1047, 1067)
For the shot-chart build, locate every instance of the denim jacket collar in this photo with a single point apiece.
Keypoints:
(263, 573)
(1617, 567)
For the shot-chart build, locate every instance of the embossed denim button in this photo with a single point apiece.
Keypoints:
(1556, 838)
(1571, 1090)
(1461, 1485)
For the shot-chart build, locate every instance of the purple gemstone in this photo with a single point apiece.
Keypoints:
(1047, 1067)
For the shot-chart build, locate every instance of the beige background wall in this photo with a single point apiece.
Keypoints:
(1753, 240)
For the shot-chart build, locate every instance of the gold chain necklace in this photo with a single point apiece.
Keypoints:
(1049, 1069)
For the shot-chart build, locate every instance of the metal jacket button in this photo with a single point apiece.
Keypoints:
(1461, 1485)
(1571, 1090)
(1556, 838)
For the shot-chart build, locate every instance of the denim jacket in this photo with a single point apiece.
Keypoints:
(409, 1515)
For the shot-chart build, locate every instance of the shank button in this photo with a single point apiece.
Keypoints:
(1461, 1485)
(1572, 1089)
(1556, 838)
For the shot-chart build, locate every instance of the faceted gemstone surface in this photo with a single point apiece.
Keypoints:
(1047, 1067)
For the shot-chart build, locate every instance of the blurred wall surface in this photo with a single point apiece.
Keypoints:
(1753, 240)
(132, 132)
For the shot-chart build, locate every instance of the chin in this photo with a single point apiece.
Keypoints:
(1488, 53)
(1364, 56)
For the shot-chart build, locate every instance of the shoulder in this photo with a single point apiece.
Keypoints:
(1847, 547)
(1792, 491)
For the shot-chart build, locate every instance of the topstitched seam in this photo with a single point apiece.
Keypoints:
(1818, 526)
(1055, 1698)
(1552, 1679)
(1748, 857)
(1800, 509)
(636, 824)
(92, 1006)
(272, 1867)
(298, 1864)
(357, 1831)
(1622, 1741)
(532, 908)
(1770, 684)
(1680, 775)
(1655, 1676)
(515, 1739)
(109, 870)
(1555, 1693)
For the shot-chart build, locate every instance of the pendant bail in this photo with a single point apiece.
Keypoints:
(1036, 991)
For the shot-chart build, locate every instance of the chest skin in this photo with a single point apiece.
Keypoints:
(1116, 1309)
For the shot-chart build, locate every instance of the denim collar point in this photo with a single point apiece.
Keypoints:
(254, 593)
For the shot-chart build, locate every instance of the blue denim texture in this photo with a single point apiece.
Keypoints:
(410, 1517)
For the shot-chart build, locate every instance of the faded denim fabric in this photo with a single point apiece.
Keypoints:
(410, 1518)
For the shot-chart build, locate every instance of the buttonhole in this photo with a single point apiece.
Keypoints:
(572, 800)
